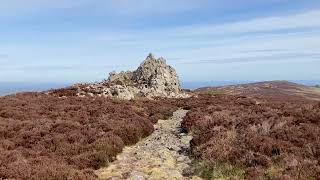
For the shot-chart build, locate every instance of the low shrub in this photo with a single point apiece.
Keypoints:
(267, 140)
(61, 136)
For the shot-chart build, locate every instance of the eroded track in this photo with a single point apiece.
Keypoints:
(162, 155)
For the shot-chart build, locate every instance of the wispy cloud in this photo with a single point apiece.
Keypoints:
(78, 38)
(232, 40)
(263, 50)
(266, 58)
(57, 68)
(302, 22)
(35, 68)
(117, 7)
(11, 8)
(4, 55)
(133, 8)
(297, 21)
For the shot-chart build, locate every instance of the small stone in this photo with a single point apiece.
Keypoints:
(181, 159)
(137, 176)
(158, 173)
(195, 178)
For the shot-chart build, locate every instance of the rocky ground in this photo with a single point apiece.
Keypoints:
(162, 155)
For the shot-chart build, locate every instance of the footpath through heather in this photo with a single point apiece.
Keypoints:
(162, 155)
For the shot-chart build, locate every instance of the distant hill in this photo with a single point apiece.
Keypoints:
(281, 90)
(215, 83)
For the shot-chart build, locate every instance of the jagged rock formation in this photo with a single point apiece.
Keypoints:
(155, 73)
(153, 78)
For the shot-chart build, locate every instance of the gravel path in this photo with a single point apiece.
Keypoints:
(162, 155)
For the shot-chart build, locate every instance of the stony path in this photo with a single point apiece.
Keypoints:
(162, 155)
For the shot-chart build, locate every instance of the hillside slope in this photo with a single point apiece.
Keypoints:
(265, 130)
(275, 90)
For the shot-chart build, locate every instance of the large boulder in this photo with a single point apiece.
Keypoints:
(122, 78)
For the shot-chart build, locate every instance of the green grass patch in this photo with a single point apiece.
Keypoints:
(218, 170)
(215, 91)
(316, 88)
(273, 171)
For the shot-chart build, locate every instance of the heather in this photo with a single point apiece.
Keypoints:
(58, 135)
(61, 136)
(240, 137)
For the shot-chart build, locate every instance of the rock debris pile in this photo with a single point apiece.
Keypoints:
(153, 78)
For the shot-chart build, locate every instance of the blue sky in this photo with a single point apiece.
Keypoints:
(205, 40)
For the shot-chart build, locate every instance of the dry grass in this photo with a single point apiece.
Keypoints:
(316, 89)
(215, 91)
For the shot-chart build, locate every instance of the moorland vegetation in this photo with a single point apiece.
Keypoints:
(59, 135)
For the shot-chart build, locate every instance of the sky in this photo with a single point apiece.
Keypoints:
(205, 40)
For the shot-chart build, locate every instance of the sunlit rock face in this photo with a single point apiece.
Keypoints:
(156, 74)
(153, 78)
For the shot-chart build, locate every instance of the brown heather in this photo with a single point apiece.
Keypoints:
(272, 140)
(46, 137)
(61, 136)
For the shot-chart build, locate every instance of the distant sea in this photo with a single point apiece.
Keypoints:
(14, 87)
(7, 88)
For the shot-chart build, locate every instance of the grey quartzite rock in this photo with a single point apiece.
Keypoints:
(156, 74)
(153, 78)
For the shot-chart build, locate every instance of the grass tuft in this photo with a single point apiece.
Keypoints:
(215, 91)
(218, 170)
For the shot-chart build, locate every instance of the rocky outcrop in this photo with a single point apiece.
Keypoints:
(156, 74)
(122, 78)
(153, 78)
